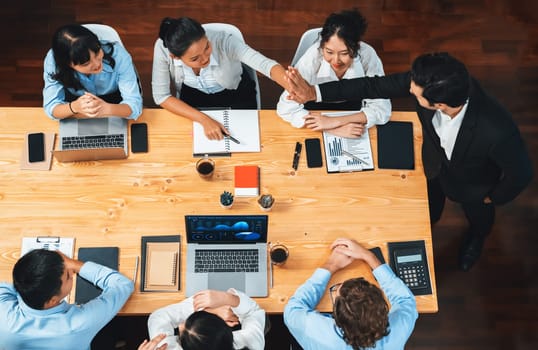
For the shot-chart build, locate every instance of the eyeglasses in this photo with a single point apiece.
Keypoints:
(332, 291)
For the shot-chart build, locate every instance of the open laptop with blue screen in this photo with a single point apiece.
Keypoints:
(226, 251)
(92, 139)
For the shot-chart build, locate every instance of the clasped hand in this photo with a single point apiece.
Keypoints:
(344, 252)
(90, 106)
(319, 122)
(218, 303)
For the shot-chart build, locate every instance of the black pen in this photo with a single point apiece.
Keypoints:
(233, 139)
(296, 155)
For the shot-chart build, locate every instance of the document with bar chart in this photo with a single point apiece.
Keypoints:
(346, 154)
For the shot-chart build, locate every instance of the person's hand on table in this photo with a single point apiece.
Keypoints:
(349, 130)
(213, 130)
(353, 249)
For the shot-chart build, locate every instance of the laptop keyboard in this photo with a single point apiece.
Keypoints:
(216, 260)
(94, 141)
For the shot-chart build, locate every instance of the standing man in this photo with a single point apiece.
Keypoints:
(361, 317)
(33, 313)
(472, 152)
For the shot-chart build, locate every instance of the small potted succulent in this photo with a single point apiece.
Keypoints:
(266, 202)
(226, 199)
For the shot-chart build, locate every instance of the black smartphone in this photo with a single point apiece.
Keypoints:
(36, 147)
(313, 153)
(139, 137)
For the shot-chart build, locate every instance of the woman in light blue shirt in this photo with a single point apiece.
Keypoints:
(206, 70)
(88, 78)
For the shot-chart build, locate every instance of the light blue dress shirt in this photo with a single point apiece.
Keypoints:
(65, 326)
(314, 330)
(122, 77)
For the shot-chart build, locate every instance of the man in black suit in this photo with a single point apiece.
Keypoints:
(472, 152)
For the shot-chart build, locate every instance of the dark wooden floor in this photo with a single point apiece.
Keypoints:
(495, 305)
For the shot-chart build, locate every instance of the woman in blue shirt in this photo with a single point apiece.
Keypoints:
(88, 78)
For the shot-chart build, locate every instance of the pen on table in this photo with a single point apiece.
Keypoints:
(136, 269)
(351, 155)
(270, 274)
(296, 155)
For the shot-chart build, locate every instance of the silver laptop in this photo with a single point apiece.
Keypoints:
(92, 139)
(227, 251)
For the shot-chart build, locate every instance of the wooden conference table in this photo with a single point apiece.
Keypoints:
(115, 202)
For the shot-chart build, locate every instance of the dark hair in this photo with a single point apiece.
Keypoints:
(206, 331)
(361, 312)
(37, 277)
(348, 25)
(179, 34)
(443, 78)
(71, 44)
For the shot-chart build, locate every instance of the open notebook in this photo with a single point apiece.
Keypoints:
(242, 124)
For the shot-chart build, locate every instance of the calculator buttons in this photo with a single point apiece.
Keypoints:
(413, 275)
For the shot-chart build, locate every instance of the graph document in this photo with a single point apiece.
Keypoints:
(347, 154)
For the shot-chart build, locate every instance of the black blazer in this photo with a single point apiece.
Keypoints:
(489, 157)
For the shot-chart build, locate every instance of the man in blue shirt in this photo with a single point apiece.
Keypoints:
(34, 314)
(361, 317)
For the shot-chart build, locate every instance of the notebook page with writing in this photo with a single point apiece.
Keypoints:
(242, 124)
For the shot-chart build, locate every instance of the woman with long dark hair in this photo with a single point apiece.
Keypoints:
(89, 78)
(339, 54)
(209, 320)
(205, 68)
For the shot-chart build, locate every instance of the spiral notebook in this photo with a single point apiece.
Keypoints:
(242, 124)
(160, 263)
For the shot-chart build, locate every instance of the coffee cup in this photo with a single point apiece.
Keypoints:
(279, 254)
(205, 167)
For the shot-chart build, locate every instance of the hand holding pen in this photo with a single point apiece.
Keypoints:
(233, 139)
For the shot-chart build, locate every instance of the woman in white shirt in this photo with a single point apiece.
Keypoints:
(205, 69)
(339, 54)
(199, 328)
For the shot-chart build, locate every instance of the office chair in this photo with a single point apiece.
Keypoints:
(107, 33)
(233, 30)
(104, 32)
(307, 39)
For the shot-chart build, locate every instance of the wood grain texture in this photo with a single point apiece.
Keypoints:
(114, 203)
(496, 39)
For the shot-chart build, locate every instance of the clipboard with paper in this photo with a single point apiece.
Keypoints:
(344, 154)
(65, 245)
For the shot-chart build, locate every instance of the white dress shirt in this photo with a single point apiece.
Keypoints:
(224, 69)
(205, 81)
(447, 128)
(251, 317)
(315, 70)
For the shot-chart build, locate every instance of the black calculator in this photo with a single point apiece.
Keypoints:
(409, 262)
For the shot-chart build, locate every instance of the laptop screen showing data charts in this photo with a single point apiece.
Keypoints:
(227, 251)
